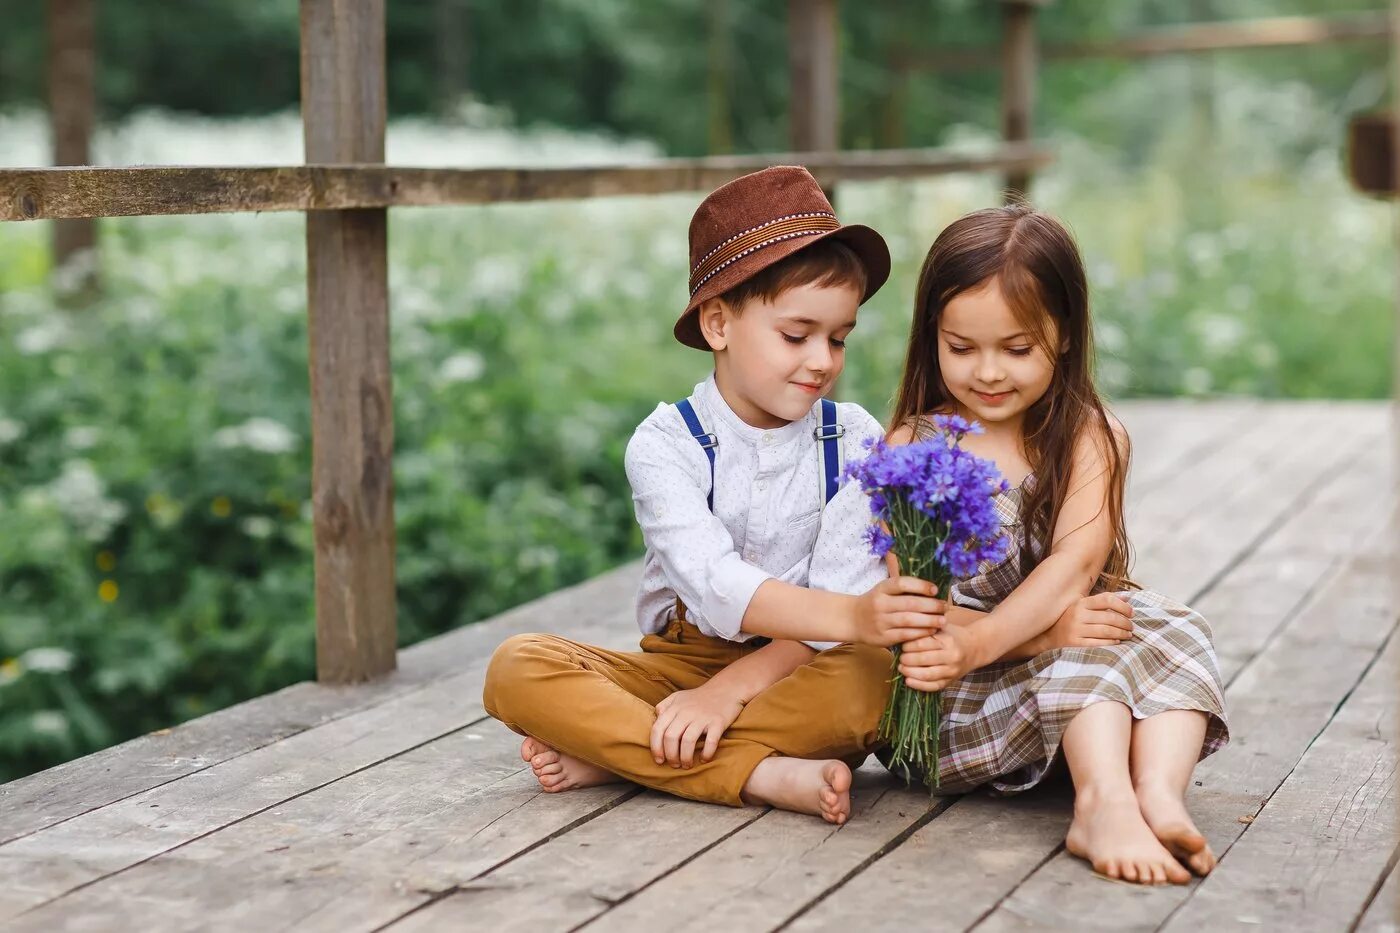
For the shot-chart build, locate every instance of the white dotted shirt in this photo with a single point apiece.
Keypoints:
(768, 521)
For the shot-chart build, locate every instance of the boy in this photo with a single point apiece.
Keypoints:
(731, 489)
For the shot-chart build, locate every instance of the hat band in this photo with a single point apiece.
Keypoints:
(750, 241)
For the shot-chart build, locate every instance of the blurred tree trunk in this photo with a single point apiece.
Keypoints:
(720, 133)
(72, 89)
(453, 31)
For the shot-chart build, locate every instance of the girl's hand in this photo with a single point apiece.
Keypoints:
(897, 610)
(1102, 619)
(933, 662)
(686, 715)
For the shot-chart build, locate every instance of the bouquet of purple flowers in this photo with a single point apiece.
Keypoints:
(934, 509)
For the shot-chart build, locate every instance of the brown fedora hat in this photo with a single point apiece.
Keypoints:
(754, 221)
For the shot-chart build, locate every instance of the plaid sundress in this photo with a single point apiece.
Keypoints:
(1002, 724)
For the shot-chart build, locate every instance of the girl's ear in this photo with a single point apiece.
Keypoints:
(714, 323)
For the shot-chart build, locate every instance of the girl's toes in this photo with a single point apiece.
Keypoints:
(1108, 869)
(1178, 875)
(1159, 874)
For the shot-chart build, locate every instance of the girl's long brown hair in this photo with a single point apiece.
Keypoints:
(1038, 266)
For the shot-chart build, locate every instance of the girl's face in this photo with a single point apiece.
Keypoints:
(993, 367)
(775, 359)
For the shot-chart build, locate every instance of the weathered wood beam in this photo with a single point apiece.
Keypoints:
(814, 100)
(1192, 38)
(72, 92)
(343, 95)
(1018, 64)
(46, 193)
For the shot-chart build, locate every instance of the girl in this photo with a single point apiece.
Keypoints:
(1001, 334)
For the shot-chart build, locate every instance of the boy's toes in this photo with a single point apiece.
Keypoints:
(532, 747)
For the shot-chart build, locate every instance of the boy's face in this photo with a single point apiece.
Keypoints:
(773, 359)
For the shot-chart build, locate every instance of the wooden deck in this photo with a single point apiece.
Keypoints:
(401, 804)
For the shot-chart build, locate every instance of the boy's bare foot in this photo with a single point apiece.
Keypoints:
(1110, 833)
(1165, 813)
(821, 788)
(559, 772)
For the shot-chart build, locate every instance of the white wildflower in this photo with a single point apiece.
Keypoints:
(466, 366)
(10, 430)
(81, 437)
(41, 338)
(261, 434)
(81, 496)
(47, 660)
(48, 722)
(258, 526)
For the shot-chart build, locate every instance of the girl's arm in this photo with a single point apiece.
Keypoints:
(1080, 544)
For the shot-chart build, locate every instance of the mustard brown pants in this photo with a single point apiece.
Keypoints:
(599, 705)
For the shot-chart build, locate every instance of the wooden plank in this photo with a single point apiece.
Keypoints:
(79, 851)
(950, 872)
(814, 94)
(1189, 38)
(1252, 508)
(1383, 913)
(60, 793)
(1316, 852)
(72, 92)
(1018, 68)
(48, 193)
(352, 412)
(1277, 707)
(776, 866)
(1170, 437)
(354, 854)
(1001, 863)
(577, 876)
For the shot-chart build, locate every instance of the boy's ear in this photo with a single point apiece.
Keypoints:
(714, 322)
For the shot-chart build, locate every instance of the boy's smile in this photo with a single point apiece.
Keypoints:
(773, 359)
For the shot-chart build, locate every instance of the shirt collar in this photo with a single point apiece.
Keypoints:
(708, 393)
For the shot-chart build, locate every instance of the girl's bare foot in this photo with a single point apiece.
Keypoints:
(1110, 833)
(821, 788)
(1165, 813)
(559, 772)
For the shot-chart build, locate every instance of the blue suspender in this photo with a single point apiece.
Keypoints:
(828, 434)
(706, 440)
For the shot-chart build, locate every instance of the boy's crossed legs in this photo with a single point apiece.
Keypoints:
(587, 713)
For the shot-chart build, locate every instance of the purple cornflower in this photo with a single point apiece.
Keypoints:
(933, 506)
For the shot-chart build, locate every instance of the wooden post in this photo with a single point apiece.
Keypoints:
(1395, 207)
(352, 426)
(814, 104)
(720, 135)
(1018, 63)
(72, 89)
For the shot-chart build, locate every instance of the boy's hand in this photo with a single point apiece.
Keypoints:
(686, 715)
(898, 610)
(1102, 619)
(934, 661)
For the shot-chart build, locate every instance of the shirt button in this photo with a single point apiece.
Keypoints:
(748, 555)
(762, 487)
(767, 437)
